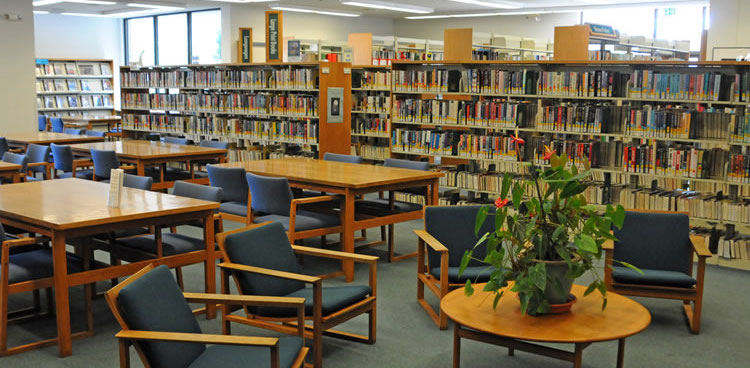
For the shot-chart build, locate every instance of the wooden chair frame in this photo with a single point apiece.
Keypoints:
(127, 337)
(692, 298)
(48, 167)
(77, 164)
(321, 325)
(123, 167)
(439, 286)
(7, 289)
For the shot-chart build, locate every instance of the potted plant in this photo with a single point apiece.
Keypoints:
(547, 240)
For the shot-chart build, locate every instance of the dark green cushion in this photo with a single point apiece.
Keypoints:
(655, 241)
(235, 356)
(383, 203)
(81, 174)
(267, 247)
(171, 244)
(652, 277)
(335, 298)
(475, 274)
(154, 302)
(36, 264)
(234, 208)
(453, 226)
(304, 220)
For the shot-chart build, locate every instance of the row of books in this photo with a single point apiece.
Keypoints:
(260, 77)
(708, 86)
(370, 125)
(73, 85)
(368, 79)
(248, 103)
(738, 170)
(72, 69)
(489, 54)
(581, 153)
(490, 113)
(385, 56)
(597, 83)
(734, 247)
(701, 205)
(371, 103)
(739, 129)
(75, 101)
(496, 147)
(371, 152)
(681, 123)
(675, 160)
(581, 118)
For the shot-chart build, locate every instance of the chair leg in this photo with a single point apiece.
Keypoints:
(178, 274)
(3, 323)
(37, 302)
(382, 233)
(371, 327)
(114, 261)
(693, 315)
(391, 251)
(50, 301)
(323, 241)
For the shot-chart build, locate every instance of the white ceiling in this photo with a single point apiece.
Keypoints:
(439, 6)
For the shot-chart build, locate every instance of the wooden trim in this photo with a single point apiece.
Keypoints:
(428, 239)
(195, 337)
(269, 272)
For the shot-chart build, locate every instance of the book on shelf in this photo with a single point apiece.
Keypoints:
(379, 103)
(302, 105)
(582, 118)
(287, 78)
(370, 125)
(70, 69)
(61, 101)
(708, 86)
(367, 79)
(490, 113)
(60, 85)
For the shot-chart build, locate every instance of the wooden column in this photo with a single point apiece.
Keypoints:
(572, 43)
(457, 44)
(335, 137)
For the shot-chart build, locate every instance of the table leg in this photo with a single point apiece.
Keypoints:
(620, 353)
(60, 269)
(210, 264)
(348, 237)
(434, 192)
(578, 355)
(456, 345)
(141, 168)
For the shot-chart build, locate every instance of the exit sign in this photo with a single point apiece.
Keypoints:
(670, 11)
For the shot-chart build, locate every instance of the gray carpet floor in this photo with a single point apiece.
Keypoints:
(406, 336)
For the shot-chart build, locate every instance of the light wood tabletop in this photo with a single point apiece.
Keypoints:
(45, 138)
(586, 323)
(12, 171)
(148, 149)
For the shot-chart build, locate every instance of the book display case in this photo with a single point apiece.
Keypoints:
(371, 112)
(263, 110)
(658, 135)
(74, 87)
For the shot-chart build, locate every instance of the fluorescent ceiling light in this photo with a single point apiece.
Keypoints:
(470, 15)
(154, 6)
(91, 2)
(300, 9)
(491, 4)
(389, 6)
(85, 14)
(41, 12)
(244, 1)
(46, 2)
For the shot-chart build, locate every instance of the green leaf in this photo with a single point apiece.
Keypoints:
(538, 275)
(524, 302)
(558, 231)
(619, 216)
(604, 303)
(500, 218)
(555, 161)
(630, 266)
(507, 179)
(590, 289)
(497, 299)
(586, 243)
(465, 261)
(517, 194)
(468, 290)
(481, 216)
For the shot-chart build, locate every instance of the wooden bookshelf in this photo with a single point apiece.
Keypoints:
(263, 109)
(74, 87)
(371, 112)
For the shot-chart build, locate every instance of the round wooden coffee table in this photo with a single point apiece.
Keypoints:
(585, 324)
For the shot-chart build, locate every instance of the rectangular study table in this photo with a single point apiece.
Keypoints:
(64, 209)
(350, 180)
(88, 122)
(10, 171)
(45, 138)
(150, 153)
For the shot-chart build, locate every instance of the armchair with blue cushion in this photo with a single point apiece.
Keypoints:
(96, 133)
(660, 245)
(200, 164)
(64, 160)
(74, 131)
(104, 162)
(38, 162)
(57, 124)
(42, 123)
(156, 319)
(448, 233)
(234, 204)
(18, 159)
(261, 261)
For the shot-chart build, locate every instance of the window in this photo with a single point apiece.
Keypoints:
(174, 39)
(632, 21)
(140, 36)
(681, 23)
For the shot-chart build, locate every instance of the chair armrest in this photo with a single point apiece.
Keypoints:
(271, 301)
(127, 167)
(82, 163)
(699, 247)
(194, 337)
(16, 150)
(334, 254)
(267, 272)
(308, 200)
(435, 244)
(24, 241)
(38, 164)
(608, 244)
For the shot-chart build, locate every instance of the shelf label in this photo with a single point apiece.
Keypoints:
(325, 70)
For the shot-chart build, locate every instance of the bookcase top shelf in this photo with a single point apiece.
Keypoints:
(574, 62)
(228, 65)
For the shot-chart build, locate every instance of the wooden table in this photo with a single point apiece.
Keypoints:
(72, 208)
(150, 153)
(45, 138)
(505, 326)
(10, 171)
(350, 180)
(88, 122)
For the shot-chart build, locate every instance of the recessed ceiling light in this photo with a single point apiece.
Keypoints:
(491, 3)
(85, 14)
(471, 15)
(46, 2)
(389, 6)
(300, 9)
(155, 6)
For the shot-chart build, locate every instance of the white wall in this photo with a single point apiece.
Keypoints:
(17, 87)
(728, 25)
(64, 36)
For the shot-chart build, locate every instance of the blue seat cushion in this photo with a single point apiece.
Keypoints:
(652, 277)
(33, 178)
(335, 298)
(81, 174)
(305, 220)
(475, 274)
(383, 203)
(171, 244)
(234, 208)
(37, 264)
(237, 356)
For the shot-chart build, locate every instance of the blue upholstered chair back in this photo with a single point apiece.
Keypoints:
(655, 241)
(154, 302)
(197, 191)
(270, 195)
(137, 182)
(215, 144)
(407, 164)
(42, 122)
(57, 124)
(268, 247)
(175, 140)
(104, 161)
(96, 133)
(75, 131)
(328, 156)
(4, 147)
(18, 159)
(453, 226)
(231, 180)
(37, 153)
(62, 156)
(153, 137)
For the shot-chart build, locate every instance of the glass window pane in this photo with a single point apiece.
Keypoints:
(206, 33)
(681, 23)
(632, 21)
(141, 40)
(172, 39)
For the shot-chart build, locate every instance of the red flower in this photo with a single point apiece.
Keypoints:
(548, 153)
(500, 203)
(516, 139)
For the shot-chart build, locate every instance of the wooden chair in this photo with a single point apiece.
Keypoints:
(38, 162)
(236, 198)
(63, 159)
(56, 124)
(41, 123)
(104, 162)
(18, 159)
(156, 319)
(660, 245)
(262, 262)
(448, 233)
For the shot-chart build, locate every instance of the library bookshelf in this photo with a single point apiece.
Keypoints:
(371, 112)
(666, 135)
(74, 87)
(263, 110)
